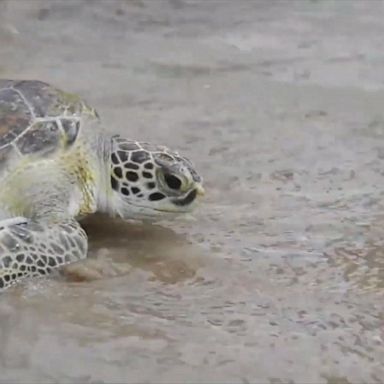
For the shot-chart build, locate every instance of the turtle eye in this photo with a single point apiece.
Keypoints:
(172, 181)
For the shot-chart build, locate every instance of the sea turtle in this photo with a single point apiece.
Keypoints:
(58, 165)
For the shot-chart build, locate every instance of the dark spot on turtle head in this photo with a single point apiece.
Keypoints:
(147, 175)
(115, 159)
(140, 156)
(151, 185)
(7, 278)
(156, 196)
(2, 284)
(125, 191)
(114, 183)
(118, 172)
(123, 155)
(132, 176)
(128, 146)
(148, 165)
(131, 166)
(162, 158)
(135, 190)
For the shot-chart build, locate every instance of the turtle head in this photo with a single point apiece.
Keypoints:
(150, 182)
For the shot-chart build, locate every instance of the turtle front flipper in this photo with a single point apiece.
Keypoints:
(33, 249)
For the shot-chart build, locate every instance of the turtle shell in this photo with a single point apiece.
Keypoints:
(36, 118)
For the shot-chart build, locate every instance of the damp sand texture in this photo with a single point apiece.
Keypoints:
(278, 276)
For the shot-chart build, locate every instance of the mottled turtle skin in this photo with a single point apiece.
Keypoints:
(57, 165)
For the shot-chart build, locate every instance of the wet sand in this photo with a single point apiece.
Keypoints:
(279, 275)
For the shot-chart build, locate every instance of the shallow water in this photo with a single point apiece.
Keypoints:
(279, 276)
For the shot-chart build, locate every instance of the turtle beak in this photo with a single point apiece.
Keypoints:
(200, 191)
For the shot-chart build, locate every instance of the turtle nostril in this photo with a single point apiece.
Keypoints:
(172, 181)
